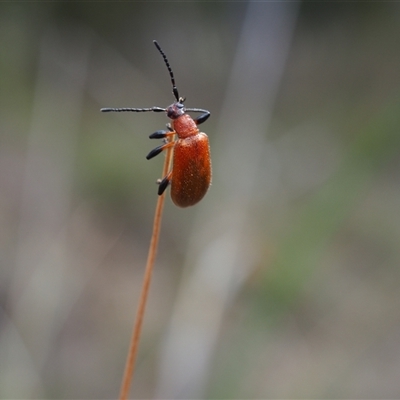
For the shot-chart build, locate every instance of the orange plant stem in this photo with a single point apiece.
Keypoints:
(137, 328)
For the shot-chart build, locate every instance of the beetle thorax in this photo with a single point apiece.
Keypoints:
(184, 126)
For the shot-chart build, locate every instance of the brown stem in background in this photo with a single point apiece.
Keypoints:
(134, 344)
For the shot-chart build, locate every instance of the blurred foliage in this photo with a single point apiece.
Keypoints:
(298, 254)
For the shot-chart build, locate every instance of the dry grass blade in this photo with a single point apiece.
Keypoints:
(137, 328)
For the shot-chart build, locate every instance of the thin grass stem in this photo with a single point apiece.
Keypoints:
(137, 328)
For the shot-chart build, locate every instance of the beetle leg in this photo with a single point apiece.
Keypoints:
(159, 149)
(201, 118)
(164, 183)
(161, 134)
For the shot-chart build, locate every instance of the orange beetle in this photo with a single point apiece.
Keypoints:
(190, 176)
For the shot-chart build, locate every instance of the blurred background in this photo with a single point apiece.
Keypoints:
(283, 282)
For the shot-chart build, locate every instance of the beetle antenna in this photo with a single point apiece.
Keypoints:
(174, 88)
(155, 109)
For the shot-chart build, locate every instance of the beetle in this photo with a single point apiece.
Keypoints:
(190, 176)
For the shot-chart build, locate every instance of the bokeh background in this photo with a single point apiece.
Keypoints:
(283, 282)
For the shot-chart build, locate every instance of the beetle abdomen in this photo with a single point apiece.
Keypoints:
(191, 176)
